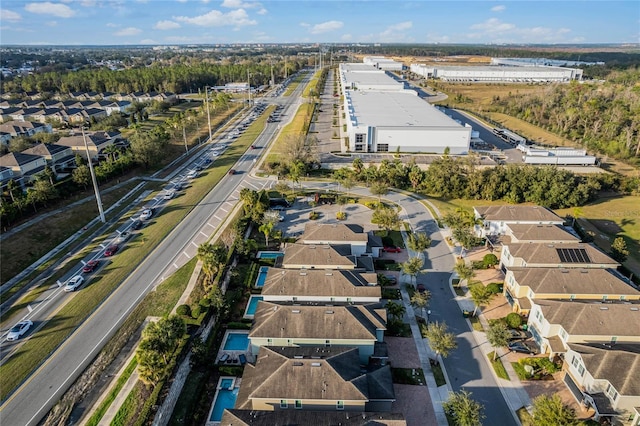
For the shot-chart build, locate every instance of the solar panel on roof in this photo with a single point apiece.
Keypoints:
(571, 255)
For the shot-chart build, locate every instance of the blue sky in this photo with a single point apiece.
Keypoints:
(115, 22)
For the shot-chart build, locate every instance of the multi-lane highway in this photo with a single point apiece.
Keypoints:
(30, 403)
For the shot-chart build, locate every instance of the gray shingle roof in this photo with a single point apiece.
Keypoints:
(321, 256)
(531, 232)
(334, 233)
(306, 418)
(543, 253)
(339, 283)
(515, 213)
(573, 281)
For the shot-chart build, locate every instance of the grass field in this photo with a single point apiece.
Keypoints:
(35, 350)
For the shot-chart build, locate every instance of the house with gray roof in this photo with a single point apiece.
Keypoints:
(605, 377)
(24, 128)
(290, 285)
(25, 166)
(96, 142)
(360, 326)
(546, 255)
(316, 418)
(496, 218)
(58, 157)
(316, 379)
(360, 242)
(312, 256)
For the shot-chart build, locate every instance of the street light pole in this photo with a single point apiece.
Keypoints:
(206, 97)
(249, 86)
(428, 315)
(93, 177)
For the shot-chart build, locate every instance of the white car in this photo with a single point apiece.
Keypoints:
(124, 236)
(192, 174)
(146, 214)
(74, 283)
(18, 330)
(168, 195)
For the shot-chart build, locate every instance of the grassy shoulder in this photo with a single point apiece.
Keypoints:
(312, 85)
(293, 85)
(94, 420)
(498, 367)
(37, 348)
(298, 126)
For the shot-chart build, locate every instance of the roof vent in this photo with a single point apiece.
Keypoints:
(315, 364)
(584, 271)
(328, 312)
(325, 247)
(303, 273)
(298, 364)
(297, 357)
(634, 309)
(295, 311)
(312, 247)
(328, 273)
(604, 308)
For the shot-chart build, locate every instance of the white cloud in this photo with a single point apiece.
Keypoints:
(112, 25)
(129, 31)
(52, 23)
(88, 3)
(304, 24)
(148, 41)
(8, 15)
(48, 8)
(182, 1)
(166, 25)
(395, 32)
(239, 4)
(205, 1)
(326, 27)
(498, 8)
(215, 18)
(496, 31)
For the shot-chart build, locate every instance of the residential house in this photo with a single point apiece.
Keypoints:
(316, 379)
(115, 106)
(304, 417)
(24, 128)
(535, 233)
(544, 255)
(96, 142)
(290, 285)
(554, 323)
(58, 157)
(307, 256)
(522, 285)
(12, 113)
(496, 218)
(605, 377)
(6, 174)
(24, 166)
(360, 326)
(5, 137)
(360, 243)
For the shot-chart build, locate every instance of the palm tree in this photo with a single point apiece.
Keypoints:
(396, 310)
(465, 273)
(418, 241)
(421, 300)
(480, 295)
(379, 189)
(267, 229)
(412, 267)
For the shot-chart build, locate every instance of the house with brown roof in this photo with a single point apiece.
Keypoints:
(546, 255)
(315, 418)
(536, 233)
(605, 377)
(290, 285)
(496, 218)
(360, 326)
(554, 323)
(312, 256)
(96, 142)
(316, 379)
(522, 285)
(58, 157)
(352, 235)
(24, 166)
(24, 128)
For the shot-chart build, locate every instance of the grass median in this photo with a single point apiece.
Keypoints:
(34, 351)
(298, 126)
(312, 85)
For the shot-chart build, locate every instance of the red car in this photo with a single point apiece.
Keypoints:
(392, 249)
(111, 250)
(90, 266)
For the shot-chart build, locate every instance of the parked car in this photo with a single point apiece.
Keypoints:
(146, 214)
(392, 249)
(253, 147)
(393, 280)
(521, 348)
(421, 288)
(518, 334)
(74, 283)
(19, 330)
(90, 266)
(111, 250)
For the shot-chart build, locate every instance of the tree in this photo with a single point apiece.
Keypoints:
(296, 170)
(463, 409)
(149, 148)
(420, 300)
(416, 176)
(396, 310)
(619, 250)
(12, 187)
(386, 218)
(81, 175)
(212, 257)
(379, 189)
(498, 336)
(412, 267)
(418, 241)
(550, 411)
(198, 352)
(480, 295)
(465, 273)
(159, 340)
(267, 229)
(441, 341)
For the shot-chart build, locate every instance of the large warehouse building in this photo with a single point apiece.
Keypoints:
(365, 77)
(383, 63)
(498, 73)
(386, 121)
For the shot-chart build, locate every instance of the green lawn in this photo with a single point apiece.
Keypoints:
(438, 374)
(94, 420)
(312, 85)
(298, 126)
(498, 367)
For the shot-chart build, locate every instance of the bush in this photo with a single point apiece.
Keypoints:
(196, 311)
(314, 216)
(490, 260)
(513, 320)
(494, 288)
(184, 310)
(371, 204)
(205, 302)
(341, 216)
(231, 371)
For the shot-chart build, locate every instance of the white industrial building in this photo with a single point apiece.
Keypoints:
(366, 77)
(491, 73)
(383, 63)
(525, 62)
(386, 121)
(556, 156)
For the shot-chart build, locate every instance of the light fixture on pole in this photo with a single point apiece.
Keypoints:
(93, 177)
(428, 315)
(206, 98)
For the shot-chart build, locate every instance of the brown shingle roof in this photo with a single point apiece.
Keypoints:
(291, 282)
(573, 281)
(305, 418)
(322, 256)
(593, 319)
(519, 213)
(619, 364)
(534, 233)
(334, 233)
(543, 253)
(357, 322)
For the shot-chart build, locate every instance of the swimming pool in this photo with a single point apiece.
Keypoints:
(236, 341)
(226, 383)
(252, 305)
(262, 276)
(225, 398)
(269, 254)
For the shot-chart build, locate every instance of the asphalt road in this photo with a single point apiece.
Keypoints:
(37, 395)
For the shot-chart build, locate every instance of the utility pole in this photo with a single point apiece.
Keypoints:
(93, 178)
(206, 97)
(249, 85)
(184, 135)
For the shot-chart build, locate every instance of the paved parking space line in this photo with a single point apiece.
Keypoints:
(252, 185)
(186, 254)
(204, 234)
(194, 244)
(223, 209)
(209, 223)
(216, 216)
(175, 266)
